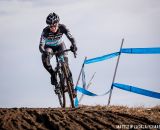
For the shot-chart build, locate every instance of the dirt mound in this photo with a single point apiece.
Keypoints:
(82, 118)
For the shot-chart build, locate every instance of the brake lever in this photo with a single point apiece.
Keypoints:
(75, 54)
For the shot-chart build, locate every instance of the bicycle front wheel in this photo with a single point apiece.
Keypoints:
(61, 94)
(69, 82)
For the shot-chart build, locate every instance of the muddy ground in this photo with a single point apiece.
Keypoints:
(82, 118)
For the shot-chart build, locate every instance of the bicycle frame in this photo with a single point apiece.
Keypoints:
(65, 76)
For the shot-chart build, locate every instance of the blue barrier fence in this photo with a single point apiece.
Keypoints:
(101, 58)
(154, 50)
(137, 90)
(88, 93)
(120, 86)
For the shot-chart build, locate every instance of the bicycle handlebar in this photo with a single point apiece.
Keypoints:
(60, 52)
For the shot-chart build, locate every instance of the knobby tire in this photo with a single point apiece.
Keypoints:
(61, 95)
(67, 73)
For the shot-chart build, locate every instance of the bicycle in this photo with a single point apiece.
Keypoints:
(64, 79)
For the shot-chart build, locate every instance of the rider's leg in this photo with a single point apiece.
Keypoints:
(46, 63)
(63, 47)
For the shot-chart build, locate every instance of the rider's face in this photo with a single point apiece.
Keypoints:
(54, 27)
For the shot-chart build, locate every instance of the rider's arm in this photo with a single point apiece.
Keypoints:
(42, 43)
(41, 48)
(68, 34)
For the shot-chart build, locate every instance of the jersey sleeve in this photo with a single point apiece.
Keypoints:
(44, 35)
(68, 34)
(42, 39)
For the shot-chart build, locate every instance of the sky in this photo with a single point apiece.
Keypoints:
(98, 28)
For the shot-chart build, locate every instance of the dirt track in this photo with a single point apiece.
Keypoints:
(82, 118)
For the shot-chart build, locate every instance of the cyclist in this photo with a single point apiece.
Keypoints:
(51, 41)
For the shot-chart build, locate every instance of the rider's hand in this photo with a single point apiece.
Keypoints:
(73, 48)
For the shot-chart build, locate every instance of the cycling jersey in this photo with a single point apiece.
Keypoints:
(54, 39)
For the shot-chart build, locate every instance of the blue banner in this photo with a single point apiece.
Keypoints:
(137, 90)
(101, 58)
(155, 50)
(76, 102)
(86, 92)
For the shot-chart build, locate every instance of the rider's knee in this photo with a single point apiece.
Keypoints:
(49, 51)
(46, 61)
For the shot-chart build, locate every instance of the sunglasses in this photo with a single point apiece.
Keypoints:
(54, 25)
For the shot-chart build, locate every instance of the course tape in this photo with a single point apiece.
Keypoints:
(137, 90)
(76, 102)
(101, 58)
(154, 50)
(86, 92)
